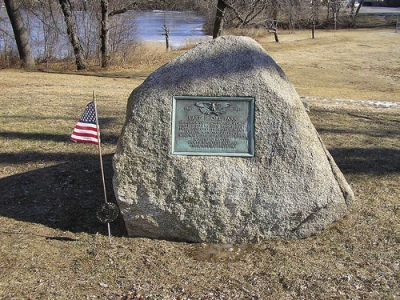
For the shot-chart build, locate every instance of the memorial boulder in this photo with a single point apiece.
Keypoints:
(217, 147)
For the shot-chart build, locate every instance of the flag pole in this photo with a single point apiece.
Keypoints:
(101, 163)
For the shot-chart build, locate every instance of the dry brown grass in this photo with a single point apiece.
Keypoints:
(352, 64)
(144, 55)
(52, 246)
(254, 33)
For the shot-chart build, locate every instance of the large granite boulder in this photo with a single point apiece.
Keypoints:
(290, 187)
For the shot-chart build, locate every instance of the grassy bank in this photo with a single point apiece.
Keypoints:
(53, 247)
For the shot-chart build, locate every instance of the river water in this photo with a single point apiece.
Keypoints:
(184, 27)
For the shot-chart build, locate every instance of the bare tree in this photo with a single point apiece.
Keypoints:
(313, 18)
(166, 34)
(241, 13)
(334, 7)
(294, 12)
(106, 14)
(21, 34)
(272, 27)
(355, 14)
(104, 35)
(46, 19)
(219, 18)
(122, 8)
(246, 12)
(73, 34)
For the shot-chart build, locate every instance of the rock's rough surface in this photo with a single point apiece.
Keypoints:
(290, 188)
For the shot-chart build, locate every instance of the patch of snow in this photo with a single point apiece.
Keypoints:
(366, 103)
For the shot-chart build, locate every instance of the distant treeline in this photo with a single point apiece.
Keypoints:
(101, 30)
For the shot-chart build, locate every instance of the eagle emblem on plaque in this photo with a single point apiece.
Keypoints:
(213, 108)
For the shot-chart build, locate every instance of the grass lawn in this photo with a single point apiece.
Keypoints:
(53, 247)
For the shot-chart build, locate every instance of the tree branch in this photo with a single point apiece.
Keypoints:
(122, 10)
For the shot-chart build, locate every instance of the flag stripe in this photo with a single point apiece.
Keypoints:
(82, 131)
(84, 138)
(81, 125)
(78, 134)
(86, 141)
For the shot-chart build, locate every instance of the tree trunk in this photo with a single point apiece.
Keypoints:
(274, 10)
(166, 33)
(352, 3)
(219, 19)
(313, 16)
(356, 13)
(73, 34)
(20, 33)
(273, 28)
(104, 36)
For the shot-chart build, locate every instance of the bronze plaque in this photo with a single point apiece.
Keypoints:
(221, 126)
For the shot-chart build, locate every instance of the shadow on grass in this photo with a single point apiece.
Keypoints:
(68, 195)
(110, 139)
(371, 132)
(362, 160)
(65, 196)
(131, 74)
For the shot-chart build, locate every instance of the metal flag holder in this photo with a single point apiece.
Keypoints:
(109, 211)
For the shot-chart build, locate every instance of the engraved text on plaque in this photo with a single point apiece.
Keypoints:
(213, 126)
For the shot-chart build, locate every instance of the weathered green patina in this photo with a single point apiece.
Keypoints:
(222, 126)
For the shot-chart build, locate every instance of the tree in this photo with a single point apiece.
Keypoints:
(104, 35)
(313, 18)
(272, 27)
(241, 13)
(354, 15)
(219, 19)
(47, 14)
(166, 34)
(73, 34)
(20, 33)
(106, 15)
(246, 12)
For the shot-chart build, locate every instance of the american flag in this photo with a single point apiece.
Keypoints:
(86, 130)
